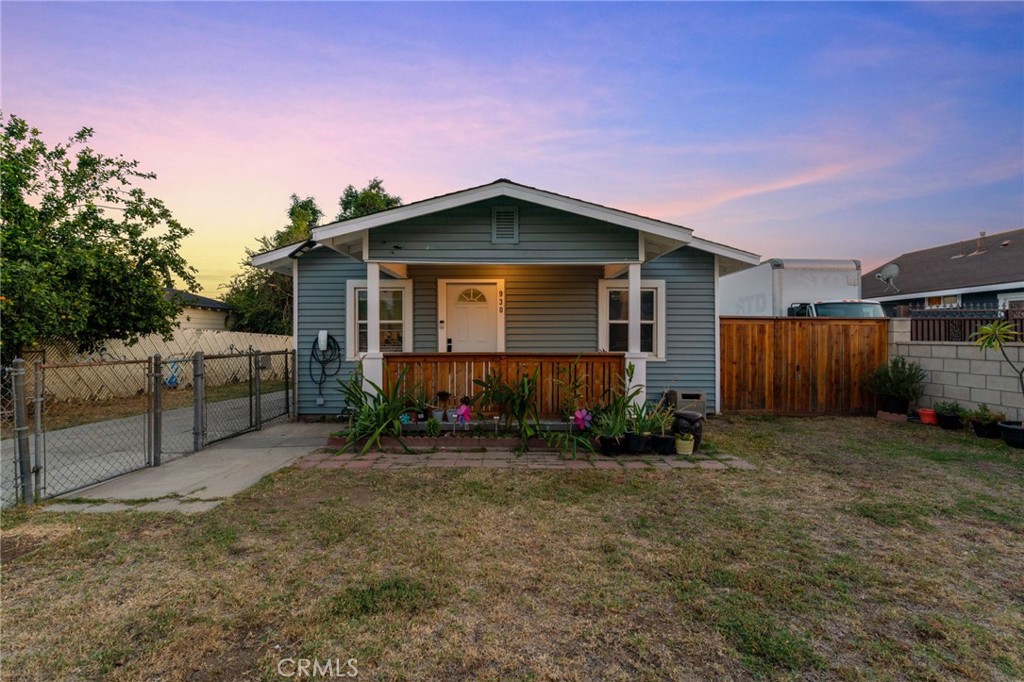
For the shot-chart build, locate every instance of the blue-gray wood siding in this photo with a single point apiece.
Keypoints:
(323, 275)
(689, 363)
(548, 308)
(463, 235)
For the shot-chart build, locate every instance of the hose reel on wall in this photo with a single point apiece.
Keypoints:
(324, 362)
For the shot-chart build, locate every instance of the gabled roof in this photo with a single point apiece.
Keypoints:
(974, 264)
(351, 231)
(196, 301)
(502, 188)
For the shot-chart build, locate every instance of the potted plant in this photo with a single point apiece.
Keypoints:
(639, 427)
(995, 336)
(443, 397)
(984, 421)
(684, 444)
(614, 417)
(897, 384)
(950, 415)
(662, 440)
(611, 431)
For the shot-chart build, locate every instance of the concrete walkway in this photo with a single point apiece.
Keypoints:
(200, 482)
(498, 459)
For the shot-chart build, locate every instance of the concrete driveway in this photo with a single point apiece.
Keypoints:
(201, 481)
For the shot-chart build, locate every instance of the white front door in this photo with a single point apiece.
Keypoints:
(473, 314)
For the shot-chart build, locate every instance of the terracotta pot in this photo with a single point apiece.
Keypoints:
(928, 416)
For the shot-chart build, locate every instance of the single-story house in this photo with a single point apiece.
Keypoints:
(504, 276)
(983, 271)
(200, 312)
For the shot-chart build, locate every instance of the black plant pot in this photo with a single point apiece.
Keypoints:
(635, 443)
(894, 405)
(1013, 434)
(664, 445)
(950, 422)
(610, 445)
(986, 429)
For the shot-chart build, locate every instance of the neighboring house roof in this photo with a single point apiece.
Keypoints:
(668, 235)
(988, 263)
(196, 301)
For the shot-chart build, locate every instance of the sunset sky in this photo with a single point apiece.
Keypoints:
(791, 130)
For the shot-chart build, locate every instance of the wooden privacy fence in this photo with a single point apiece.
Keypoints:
(455, 372)
(800, 366)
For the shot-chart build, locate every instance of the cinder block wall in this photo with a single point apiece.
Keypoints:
(962, 371)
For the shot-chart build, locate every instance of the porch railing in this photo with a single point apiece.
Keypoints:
(455, 373)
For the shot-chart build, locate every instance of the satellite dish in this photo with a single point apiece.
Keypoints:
(887, 274)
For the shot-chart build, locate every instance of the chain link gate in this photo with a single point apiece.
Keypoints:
(81, 424)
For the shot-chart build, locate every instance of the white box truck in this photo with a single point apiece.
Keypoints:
(796, 287)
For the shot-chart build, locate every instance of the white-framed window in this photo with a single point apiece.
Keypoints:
(613, 316)
(395, 317)
(949, 301)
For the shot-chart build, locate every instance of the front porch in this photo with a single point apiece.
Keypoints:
(455, 373)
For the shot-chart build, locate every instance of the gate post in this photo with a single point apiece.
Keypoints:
(37, 401)
(287, 386)
(257, 370)
(199, 388)
(21, 431)
(158, 413)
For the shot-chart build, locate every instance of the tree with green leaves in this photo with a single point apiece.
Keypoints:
(263, 299)
(87, 254)
(996, 335)
(371, 199)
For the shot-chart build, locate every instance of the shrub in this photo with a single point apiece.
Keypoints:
(901, 379)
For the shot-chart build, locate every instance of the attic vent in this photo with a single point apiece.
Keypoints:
(505, 225)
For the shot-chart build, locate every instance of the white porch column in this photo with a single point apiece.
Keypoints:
(373, 361)
(634, 356)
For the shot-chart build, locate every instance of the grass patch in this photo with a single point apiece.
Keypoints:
(857, 550)
(765, 644)
(893, 514)
(397, 594)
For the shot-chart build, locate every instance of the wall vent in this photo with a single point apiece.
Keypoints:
(504, 225)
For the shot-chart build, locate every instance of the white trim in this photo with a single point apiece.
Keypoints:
(949, 292)
(504, 189)
(1005, 298)
(295, 305)
(634, 310)
(366, 245)
(723, 250)
(279, 260)
(941, 305)
(487, 261)
(641, 247)
(718, 347)
(442, 308)
(351, 308)
(660, 311)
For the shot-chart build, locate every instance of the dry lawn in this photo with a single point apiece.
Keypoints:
(859, 550)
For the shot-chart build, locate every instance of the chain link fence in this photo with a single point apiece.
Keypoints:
(98, 437)
(99, 420)
(8, 453)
